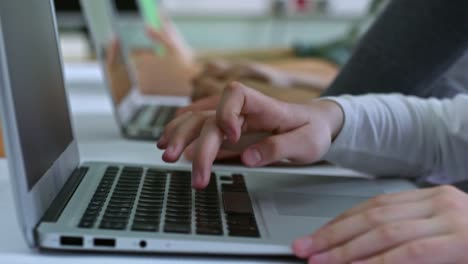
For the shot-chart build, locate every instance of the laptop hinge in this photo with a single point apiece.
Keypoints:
(55, 209)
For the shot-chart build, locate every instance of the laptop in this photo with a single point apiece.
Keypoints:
(139, 116)
(63, 204)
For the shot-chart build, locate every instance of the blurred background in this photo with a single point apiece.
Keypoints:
(303, 41)
(213, 25)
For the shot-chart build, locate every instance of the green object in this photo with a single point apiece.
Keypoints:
(151, 15)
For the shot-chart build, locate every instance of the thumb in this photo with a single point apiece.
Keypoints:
(207, 103)
(297, 146)
(243, 109)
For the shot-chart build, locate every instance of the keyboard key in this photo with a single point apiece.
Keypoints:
(153, 216)
(116, 215)
(240, 220)
(100, 196)
(209, 231)
(208, 217)
(120, 206)
(235, 202)
(243, 233)
(177, 228)
(113, 225)
(142, 226)
(86, 224)
(225, 187)
(209, 225)
(179, 207)
(226, 178)
(146, 219)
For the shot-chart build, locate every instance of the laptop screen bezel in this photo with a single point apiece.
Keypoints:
(31, 204)
(131, 105)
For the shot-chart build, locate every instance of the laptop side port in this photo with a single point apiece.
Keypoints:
(104, 242)
(71, 241)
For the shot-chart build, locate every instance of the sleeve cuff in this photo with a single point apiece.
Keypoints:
(344, 139)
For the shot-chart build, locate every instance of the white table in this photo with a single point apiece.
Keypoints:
(99, 140)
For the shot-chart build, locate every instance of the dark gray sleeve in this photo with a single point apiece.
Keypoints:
(409, 47)
(453, 82)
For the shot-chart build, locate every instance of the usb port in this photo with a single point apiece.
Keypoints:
(104, 242)
(71, 241)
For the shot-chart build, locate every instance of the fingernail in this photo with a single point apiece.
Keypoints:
(320, 259)
(161, 142)
(197, 181)
(231, 135)
(169, 153)
(303, 247)
(170, 150)
(253, 157)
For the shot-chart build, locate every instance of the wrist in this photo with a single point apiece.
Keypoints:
(334, 115)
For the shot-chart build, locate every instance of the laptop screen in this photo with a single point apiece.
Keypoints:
(37, 84)
(99, 18)
(118, 77)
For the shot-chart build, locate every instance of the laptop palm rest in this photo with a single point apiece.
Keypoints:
(302, 204)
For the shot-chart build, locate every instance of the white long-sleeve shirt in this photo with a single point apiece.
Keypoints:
(396, 135)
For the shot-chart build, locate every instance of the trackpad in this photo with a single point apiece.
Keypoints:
(315, 205)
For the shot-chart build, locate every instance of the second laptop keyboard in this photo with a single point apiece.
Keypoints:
(152, 200)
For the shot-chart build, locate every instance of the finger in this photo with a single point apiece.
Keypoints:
(382, 239)
(225, 71)
(228, 113)
(258, 71)
(161, 37)
(216, 68)
(208, 103)
(183, 135)
(189, 153)
(190, 150)
(235, 72)
(226, 155)
(340, 232)
(239, 102)
(434, 250)
(208, 145)
(205, 87)
(388, 199)
(246, 141)
(169, 128)
(290, 145)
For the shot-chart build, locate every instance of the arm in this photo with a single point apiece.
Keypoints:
(395, 135)
(385, 135)
(409, 47)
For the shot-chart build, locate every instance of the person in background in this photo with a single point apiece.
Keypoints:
(270, 71)
(413, 47)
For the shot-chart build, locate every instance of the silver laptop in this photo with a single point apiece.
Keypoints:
(65, 205)
(139, 116)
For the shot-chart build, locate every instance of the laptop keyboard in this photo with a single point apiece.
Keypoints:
(163, 115)
(152, 120)
(151, 200)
